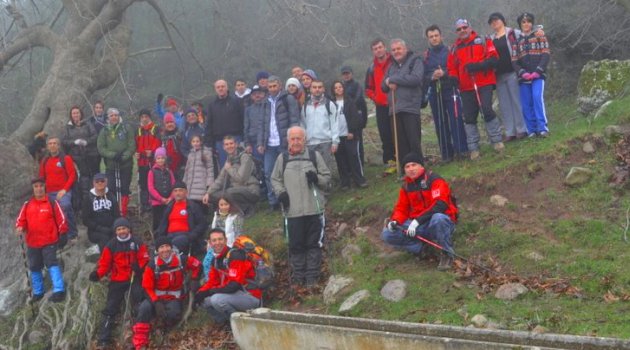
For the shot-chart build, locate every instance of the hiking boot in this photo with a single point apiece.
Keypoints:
(446, 262)
(58, 297)
(390, 168)
(531, 136)
(499, 147)
(37, 297)
(544, 134)
(474, 155)
(362, 184)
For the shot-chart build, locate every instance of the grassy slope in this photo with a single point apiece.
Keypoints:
(583, 244)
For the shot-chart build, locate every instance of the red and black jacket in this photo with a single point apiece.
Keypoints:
(43, 222)
(165, 281)
(422, 197)
(478, 50)
(122, 258)
(231, 276)
(147, 138)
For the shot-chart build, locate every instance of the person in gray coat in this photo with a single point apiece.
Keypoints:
(199, 172)
(297, 178)
(404, 80)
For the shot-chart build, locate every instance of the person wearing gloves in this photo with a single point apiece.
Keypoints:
(424, 208)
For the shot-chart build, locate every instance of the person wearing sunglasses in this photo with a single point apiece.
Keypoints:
(471, 63)
(100, 210)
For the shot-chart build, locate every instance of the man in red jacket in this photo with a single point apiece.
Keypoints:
(124, 256)
(373, 80)
(43, 223)
(163, 282)
(57, 169)
(425, 208)
(147, 141)
(471, 63)
(226, 291)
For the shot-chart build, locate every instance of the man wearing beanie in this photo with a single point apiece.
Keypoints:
(307, 79)
(100, 210)
(262, 79)
(183, 221)
(163, 282)
(225, 117)
(425, 208)
(125, 256)
(147, 141)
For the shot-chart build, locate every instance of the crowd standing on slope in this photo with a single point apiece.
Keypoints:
(201, 172)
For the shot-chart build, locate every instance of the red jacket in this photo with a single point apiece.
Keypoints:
(171, 142)
(421, 198)
(119, 258)
(233, 277)
(164, 281)
(373, 79)
(148, 138)
(471, 50)
(58, 177)
(43, 222)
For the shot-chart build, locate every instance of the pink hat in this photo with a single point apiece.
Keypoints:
(160, 152)
(169, 117)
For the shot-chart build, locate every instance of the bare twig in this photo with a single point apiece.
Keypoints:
(625, 231)
(153, 49)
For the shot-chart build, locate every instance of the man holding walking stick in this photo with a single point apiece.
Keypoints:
(425, 208)
(471, 63)
(403, 82)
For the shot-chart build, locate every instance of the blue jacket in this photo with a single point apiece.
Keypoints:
(189, 132)
(180, 121)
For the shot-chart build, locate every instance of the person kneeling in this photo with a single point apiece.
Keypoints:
(226, 291)
(425, 208)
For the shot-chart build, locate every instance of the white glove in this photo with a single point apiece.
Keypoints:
(77, 142)
(411, 230)
(83, 142)
(392, 225)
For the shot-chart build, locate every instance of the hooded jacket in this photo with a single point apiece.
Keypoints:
(85, 131)
(321, 123)
(100, 212)
(408, 75)
(115, 139)
(240, 174)
(287, 115)
(199, 173)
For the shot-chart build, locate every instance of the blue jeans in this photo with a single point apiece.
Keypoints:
(218, 145)
(439, 230)
(66, 205)
(271, 154)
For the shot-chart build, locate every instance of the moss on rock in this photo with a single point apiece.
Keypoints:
(601, 81)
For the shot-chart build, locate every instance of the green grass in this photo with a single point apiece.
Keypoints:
(587, 246)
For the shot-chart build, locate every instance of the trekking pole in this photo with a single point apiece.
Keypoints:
(443, 132)
(28, 277)
(286, 223)
(118, 190)
(483, 113)
(395, 134)
(127, 302)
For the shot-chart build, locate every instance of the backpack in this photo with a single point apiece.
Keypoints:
(285, 159)
(259, 258)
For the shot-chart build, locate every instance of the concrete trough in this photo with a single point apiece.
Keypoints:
(263, 329)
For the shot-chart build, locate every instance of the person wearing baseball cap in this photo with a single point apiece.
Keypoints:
(425, 210)
(100, 211)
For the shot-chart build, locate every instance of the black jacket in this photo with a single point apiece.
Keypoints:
(355, 92)
(225, 117)
(196, 220)
(353, 118)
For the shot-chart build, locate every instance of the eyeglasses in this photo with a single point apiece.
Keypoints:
(461, 28)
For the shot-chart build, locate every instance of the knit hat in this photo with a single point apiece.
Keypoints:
(496, 15)
(144, 112)
(262, 75)
(162, 240)
(525, 15)
(310, 73)
(160, 152)
(121, 221)
(180, 184)
(191, 110)
(412, 158)
(292, 81)
(346, 69)
(171, 102)
(462, 22)
(169, 118)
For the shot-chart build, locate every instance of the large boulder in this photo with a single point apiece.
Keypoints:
(601, 81)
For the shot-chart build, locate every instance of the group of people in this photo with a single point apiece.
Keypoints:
(283, 142)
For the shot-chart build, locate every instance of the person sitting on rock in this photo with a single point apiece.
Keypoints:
(163, 282)
(183, 221)
(100, 210)
(226, 290)
(125, 256)
(425, 208)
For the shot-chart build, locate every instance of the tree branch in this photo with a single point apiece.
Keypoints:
(107, 19)
(36, 36)
(153, 49)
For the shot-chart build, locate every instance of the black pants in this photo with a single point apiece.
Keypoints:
(471, 106)
(116, 295)
(384, 124)
(158, 212)
(348, 162)
(359, 137)
(143, 184)
(409, 134)
(125, 178)
(146, 311)
(40, 257)
(306, 239)
(100, 236)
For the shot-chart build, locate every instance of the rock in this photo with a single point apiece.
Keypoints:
(612, 131)
(510, 291)
(394, 290)
(536, 256)
(11, 297)
(349, 251)
(479, 321)
(601, 81)
(540, 329)
(498, 200)
(353, 300)
(588, 147)
(463, 312)
(36, 337)
(361, 230)
(341, 229)
(602, 109)
(92, 253)
(390, 255)
(334, 286)
(493, 325)
(578, 176)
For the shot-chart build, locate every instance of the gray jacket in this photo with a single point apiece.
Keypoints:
(253, 121)
(293, 181)
(408, 76)
(199, 173)
(240, 174)
(287, 115)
